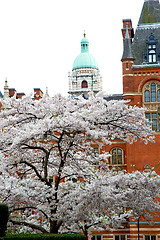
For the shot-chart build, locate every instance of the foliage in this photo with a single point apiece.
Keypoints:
(103, 201)
(44, 237)
(4, 214)
(49, 167)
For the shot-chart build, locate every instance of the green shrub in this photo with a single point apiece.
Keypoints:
(4, 214)
(44, 237)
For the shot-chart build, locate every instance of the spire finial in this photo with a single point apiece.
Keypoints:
(6, 81)
(84, 34)
(127, 33)
(6, 89)
(127, 51)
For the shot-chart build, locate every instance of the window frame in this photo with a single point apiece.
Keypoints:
(94, 237)
(151, 101)
(149, 87)
(120, 236)
(151, 54)
(96, 150)
(152, 119)
(117, 155)
(150, 236)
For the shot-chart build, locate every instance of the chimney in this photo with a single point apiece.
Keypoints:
(127, 22)
(12, 92)
(38, 94)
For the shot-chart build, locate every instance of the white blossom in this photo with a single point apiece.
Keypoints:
(52, 139)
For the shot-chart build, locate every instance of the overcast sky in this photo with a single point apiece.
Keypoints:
(39, 40)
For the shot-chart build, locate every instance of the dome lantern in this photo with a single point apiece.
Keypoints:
(85, 59)
(84, 44)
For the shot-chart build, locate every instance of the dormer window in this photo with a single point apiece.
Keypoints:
(152, 53)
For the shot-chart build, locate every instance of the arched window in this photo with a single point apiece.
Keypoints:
(158, 95)
(84, 84)
(147, 96)
(152, 92)
(117, 156)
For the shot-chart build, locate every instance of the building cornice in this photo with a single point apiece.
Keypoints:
(132, 94)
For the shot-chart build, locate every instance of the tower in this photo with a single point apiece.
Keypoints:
(85, 76)
(6, 90)
(141, 79)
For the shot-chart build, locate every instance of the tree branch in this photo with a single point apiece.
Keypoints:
(37, 173)
(29, 207)
(36, 148)
(31, 225)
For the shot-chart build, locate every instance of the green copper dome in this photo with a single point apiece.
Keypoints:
(85, 59)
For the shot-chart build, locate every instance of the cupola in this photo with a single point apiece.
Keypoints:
(85, 59)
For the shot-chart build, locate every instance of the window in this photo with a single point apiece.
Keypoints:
(152, 92)
(74, 83)
(152, 52)
(119, 237)
(127, 66)
(152, 56)
(117, 156)
(147, 96)
(154, 121)
(84, 84)
(96, 237)
(152, 103)
(96, 151)
(150, 237)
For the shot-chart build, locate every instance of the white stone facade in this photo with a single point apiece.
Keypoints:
(84, 80)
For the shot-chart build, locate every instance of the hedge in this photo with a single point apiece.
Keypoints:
(44, 237)
(4, 214)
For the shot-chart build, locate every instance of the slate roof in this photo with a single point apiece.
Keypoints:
(149, 22)
(150, 12)
(127, 51)
(1, 95)
(114, 97)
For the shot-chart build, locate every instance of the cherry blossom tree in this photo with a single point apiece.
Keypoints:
(47, 159)
(110, 199)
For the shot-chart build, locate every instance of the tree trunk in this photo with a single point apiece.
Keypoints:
(85, 231)
(54, 226)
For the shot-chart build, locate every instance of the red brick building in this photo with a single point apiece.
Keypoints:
(141, 80)
(141, 85)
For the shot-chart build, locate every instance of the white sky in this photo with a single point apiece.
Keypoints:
(39, 40)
